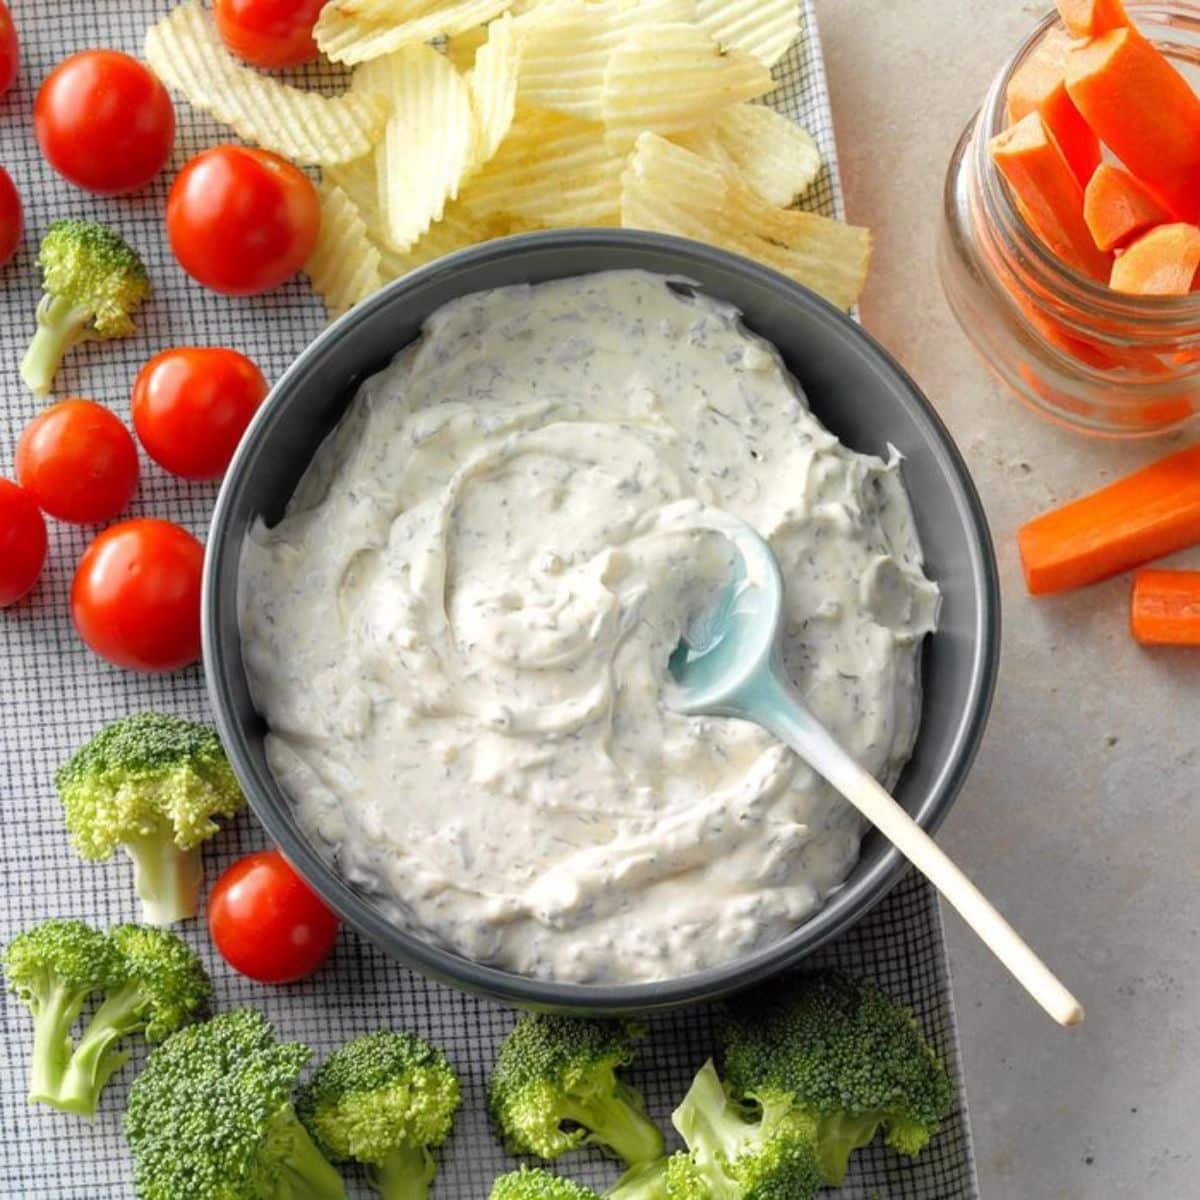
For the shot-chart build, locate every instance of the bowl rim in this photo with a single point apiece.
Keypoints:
(844, 907)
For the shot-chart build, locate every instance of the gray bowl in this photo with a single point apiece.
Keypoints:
(854, 387)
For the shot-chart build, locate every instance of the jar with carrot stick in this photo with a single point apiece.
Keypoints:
(1070, 248)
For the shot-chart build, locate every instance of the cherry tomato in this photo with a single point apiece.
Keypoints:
(10, 53)
(242, 221)
(78, 462)
(267, 922)
(135, 599)
(269, 33)
(191, 406)
(22, 542)
(104, 121)
(11, 221)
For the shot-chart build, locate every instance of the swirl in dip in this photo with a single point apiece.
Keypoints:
(459, 633)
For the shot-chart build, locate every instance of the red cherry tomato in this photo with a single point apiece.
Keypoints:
(22, 542)
(269, 33)
(267, 922)
(104, 121)
(10, 53)
(10, 216)
(78, 462)
(242, 221)
(191, 406)
(135, 599)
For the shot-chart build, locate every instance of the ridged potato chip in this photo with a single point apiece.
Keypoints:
(493, 85)
(553, 170)
(457, 230)
(669, 77)
(349, 38)
(185, 52)
(344, 266)
(773, 155)
(567, 45)
(429, 142)
(383, 12)
(765, 28)
(462, 47)
(670, 189)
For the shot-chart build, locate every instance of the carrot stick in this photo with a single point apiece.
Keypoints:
(1153, 512)
(1049, 194)
(1091, 18)
(1117, 207)
(1144, 111)
(1165, 608)
(1039, 85)
(1162, 262)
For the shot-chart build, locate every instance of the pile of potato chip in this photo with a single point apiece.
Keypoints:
(466, 120)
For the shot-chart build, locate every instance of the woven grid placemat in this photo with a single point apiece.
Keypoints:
(54, 694)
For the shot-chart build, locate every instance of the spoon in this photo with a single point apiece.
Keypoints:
(730, 664)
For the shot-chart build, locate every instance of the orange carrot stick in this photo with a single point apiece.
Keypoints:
(1117, 208)
(1162, 262)
(1050, 196)
(1165, 608)
(1153, 512)
(1039, 85)
(1144, 111)
(1091, 18)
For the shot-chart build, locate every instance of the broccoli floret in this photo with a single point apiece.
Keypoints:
(92, 281)
(151, 983)
(54, 968)
(555, 1087)
(152, 783)
(163, 988)
(210, 1118)
(647, 1181)
(672, 1178)
(386, 1099)
(741, 1154)
(841, 1051)
(533, 1184)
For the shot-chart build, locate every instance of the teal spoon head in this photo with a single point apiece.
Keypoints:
(726, 653)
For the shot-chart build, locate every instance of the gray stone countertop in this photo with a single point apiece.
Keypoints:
(1082, 816)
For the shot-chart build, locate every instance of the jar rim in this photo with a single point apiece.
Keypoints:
(1162, 314)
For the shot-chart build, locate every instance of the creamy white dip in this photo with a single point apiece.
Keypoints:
(459, 633)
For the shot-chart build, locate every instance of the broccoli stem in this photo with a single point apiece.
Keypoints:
(167, 879)
(619, 1124)
(301, 1168)
(95, 1062)
(838, 1136)
(405, 1174)
(60, 324)
(55, 1014)
(646, 1181)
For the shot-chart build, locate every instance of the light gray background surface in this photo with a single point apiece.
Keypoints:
(1082, 817)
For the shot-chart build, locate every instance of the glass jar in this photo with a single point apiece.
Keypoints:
(1089, 358)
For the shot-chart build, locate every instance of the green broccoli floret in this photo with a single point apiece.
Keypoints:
(210, 1118)
(163, 988)
(738, 1153)
(151, 983)
(386, 1099)
(55, 968)
(92, 281)
(152, 783)
(673, 1178)
(533, 1184)
(839, 1050)
(647, 1181)
(555, 1087)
